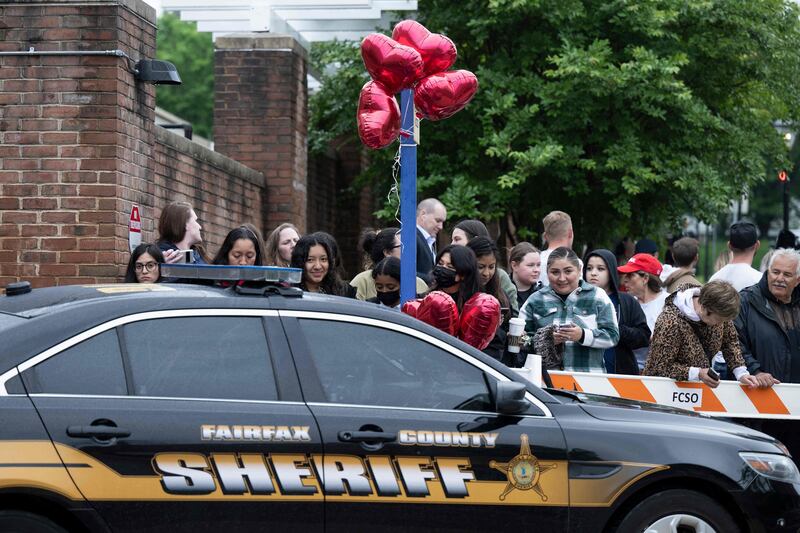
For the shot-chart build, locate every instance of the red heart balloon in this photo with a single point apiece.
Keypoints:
(410, 307)
(479, 320)
(444, 94)
(378, 116)
(394, 65)
(439, 310)
(438, 52)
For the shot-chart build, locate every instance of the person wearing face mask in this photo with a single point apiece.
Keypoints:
(386, 277)
(456, 273)
(525, 263)
(601, 271)
(577, 318)
(696, 324)
(379, 245)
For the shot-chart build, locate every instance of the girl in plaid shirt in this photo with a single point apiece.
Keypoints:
(584, 315)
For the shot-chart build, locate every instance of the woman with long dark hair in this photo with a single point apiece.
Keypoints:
(241, 247)
(316, 256)
(145, 264)
(600, 269)
(486, 253)
(456, 273)
(469, 229)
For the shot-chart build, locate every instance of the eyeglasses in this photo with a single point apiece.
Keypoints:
(146, 267)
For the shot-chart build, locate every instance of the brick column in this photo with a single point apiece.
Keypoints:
(76, 138)
(261, 115)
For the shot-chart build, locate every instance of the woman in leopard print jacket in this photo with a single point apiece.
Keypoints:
(695, 324)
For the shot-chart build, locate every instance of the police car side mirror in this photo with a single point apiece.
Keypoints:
(509, 398)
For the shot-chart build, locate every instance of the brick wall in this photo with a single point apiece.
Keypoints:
(78, 146)
(224, 193)
(260, 116)
(75, 136)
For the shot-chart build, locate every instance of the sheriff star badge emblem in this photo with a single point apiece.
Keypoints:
(523, 471)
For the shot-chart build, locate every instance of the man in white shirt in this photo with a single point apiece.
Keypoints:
(557, 233)
(743, 244)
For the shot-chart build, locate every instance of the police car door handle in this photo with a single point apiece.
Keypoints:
(367, 436)
(97, 432)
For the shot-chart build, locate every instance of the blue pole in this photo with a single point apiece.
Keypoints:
(408, 200)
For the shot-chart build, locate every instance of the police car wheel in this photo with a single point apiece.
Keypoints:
(678, 511)
(24, 522)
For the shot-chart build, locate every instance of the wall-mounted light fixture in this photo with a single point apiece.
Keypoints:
(157, 72)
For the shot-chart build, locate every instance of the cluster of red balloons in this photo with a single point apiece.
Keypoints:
(478, 321)
(412, 58)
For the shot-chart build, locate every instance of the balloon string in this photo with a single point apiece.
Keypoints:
(395, 190)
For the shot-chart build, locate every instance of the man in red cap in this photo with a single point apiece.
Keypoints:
(640, 276)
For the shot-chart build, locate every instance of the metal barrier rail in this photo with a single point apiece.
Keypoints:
(729, 399)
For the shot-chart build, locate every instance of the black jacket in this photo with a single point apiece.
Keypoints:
(633, 329)
(766, 347)
(424, 259)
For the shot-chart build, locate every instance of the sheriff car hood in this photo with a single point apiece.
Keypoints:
(623, 410)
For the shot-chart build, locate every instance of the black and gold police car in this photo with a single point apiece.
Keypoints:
(193, 408)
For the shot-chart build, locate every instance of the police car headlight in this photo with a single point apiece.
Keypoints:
(772, 466)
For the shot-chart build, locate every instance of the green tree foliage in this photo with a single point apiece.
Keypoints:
(624, 113)
(192, 53)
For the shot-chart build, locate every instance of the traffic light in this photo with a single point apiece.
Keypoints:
(783, 176)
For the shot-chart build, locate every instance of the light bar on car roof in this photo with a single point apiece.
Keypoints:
(232, 273)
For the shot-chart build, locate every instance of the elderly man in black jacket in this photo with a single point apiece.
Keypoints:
(769, 321)
(769, 333)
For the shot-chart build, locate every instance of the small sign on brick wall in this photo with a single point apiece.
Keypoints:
(134, 228)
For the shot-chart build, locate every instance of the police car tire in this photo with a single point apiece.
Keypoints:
(24, 522)
(673, 502)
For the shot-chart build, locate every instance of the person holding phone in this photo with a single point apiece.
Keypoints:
(695, 324)
(180, 238)
(580, 315)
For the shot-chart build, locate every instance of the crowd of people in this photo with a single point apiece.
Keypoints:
(622, 312)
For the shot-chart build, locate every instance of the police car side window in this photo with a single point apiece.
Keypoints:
(200, 357)
(367, 365)
(91, 367)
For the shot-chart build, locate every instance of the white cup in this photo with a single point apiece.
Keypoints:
(516, 329)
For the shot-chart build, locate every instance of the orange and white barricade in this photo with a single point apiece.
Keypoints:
(729, 399)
